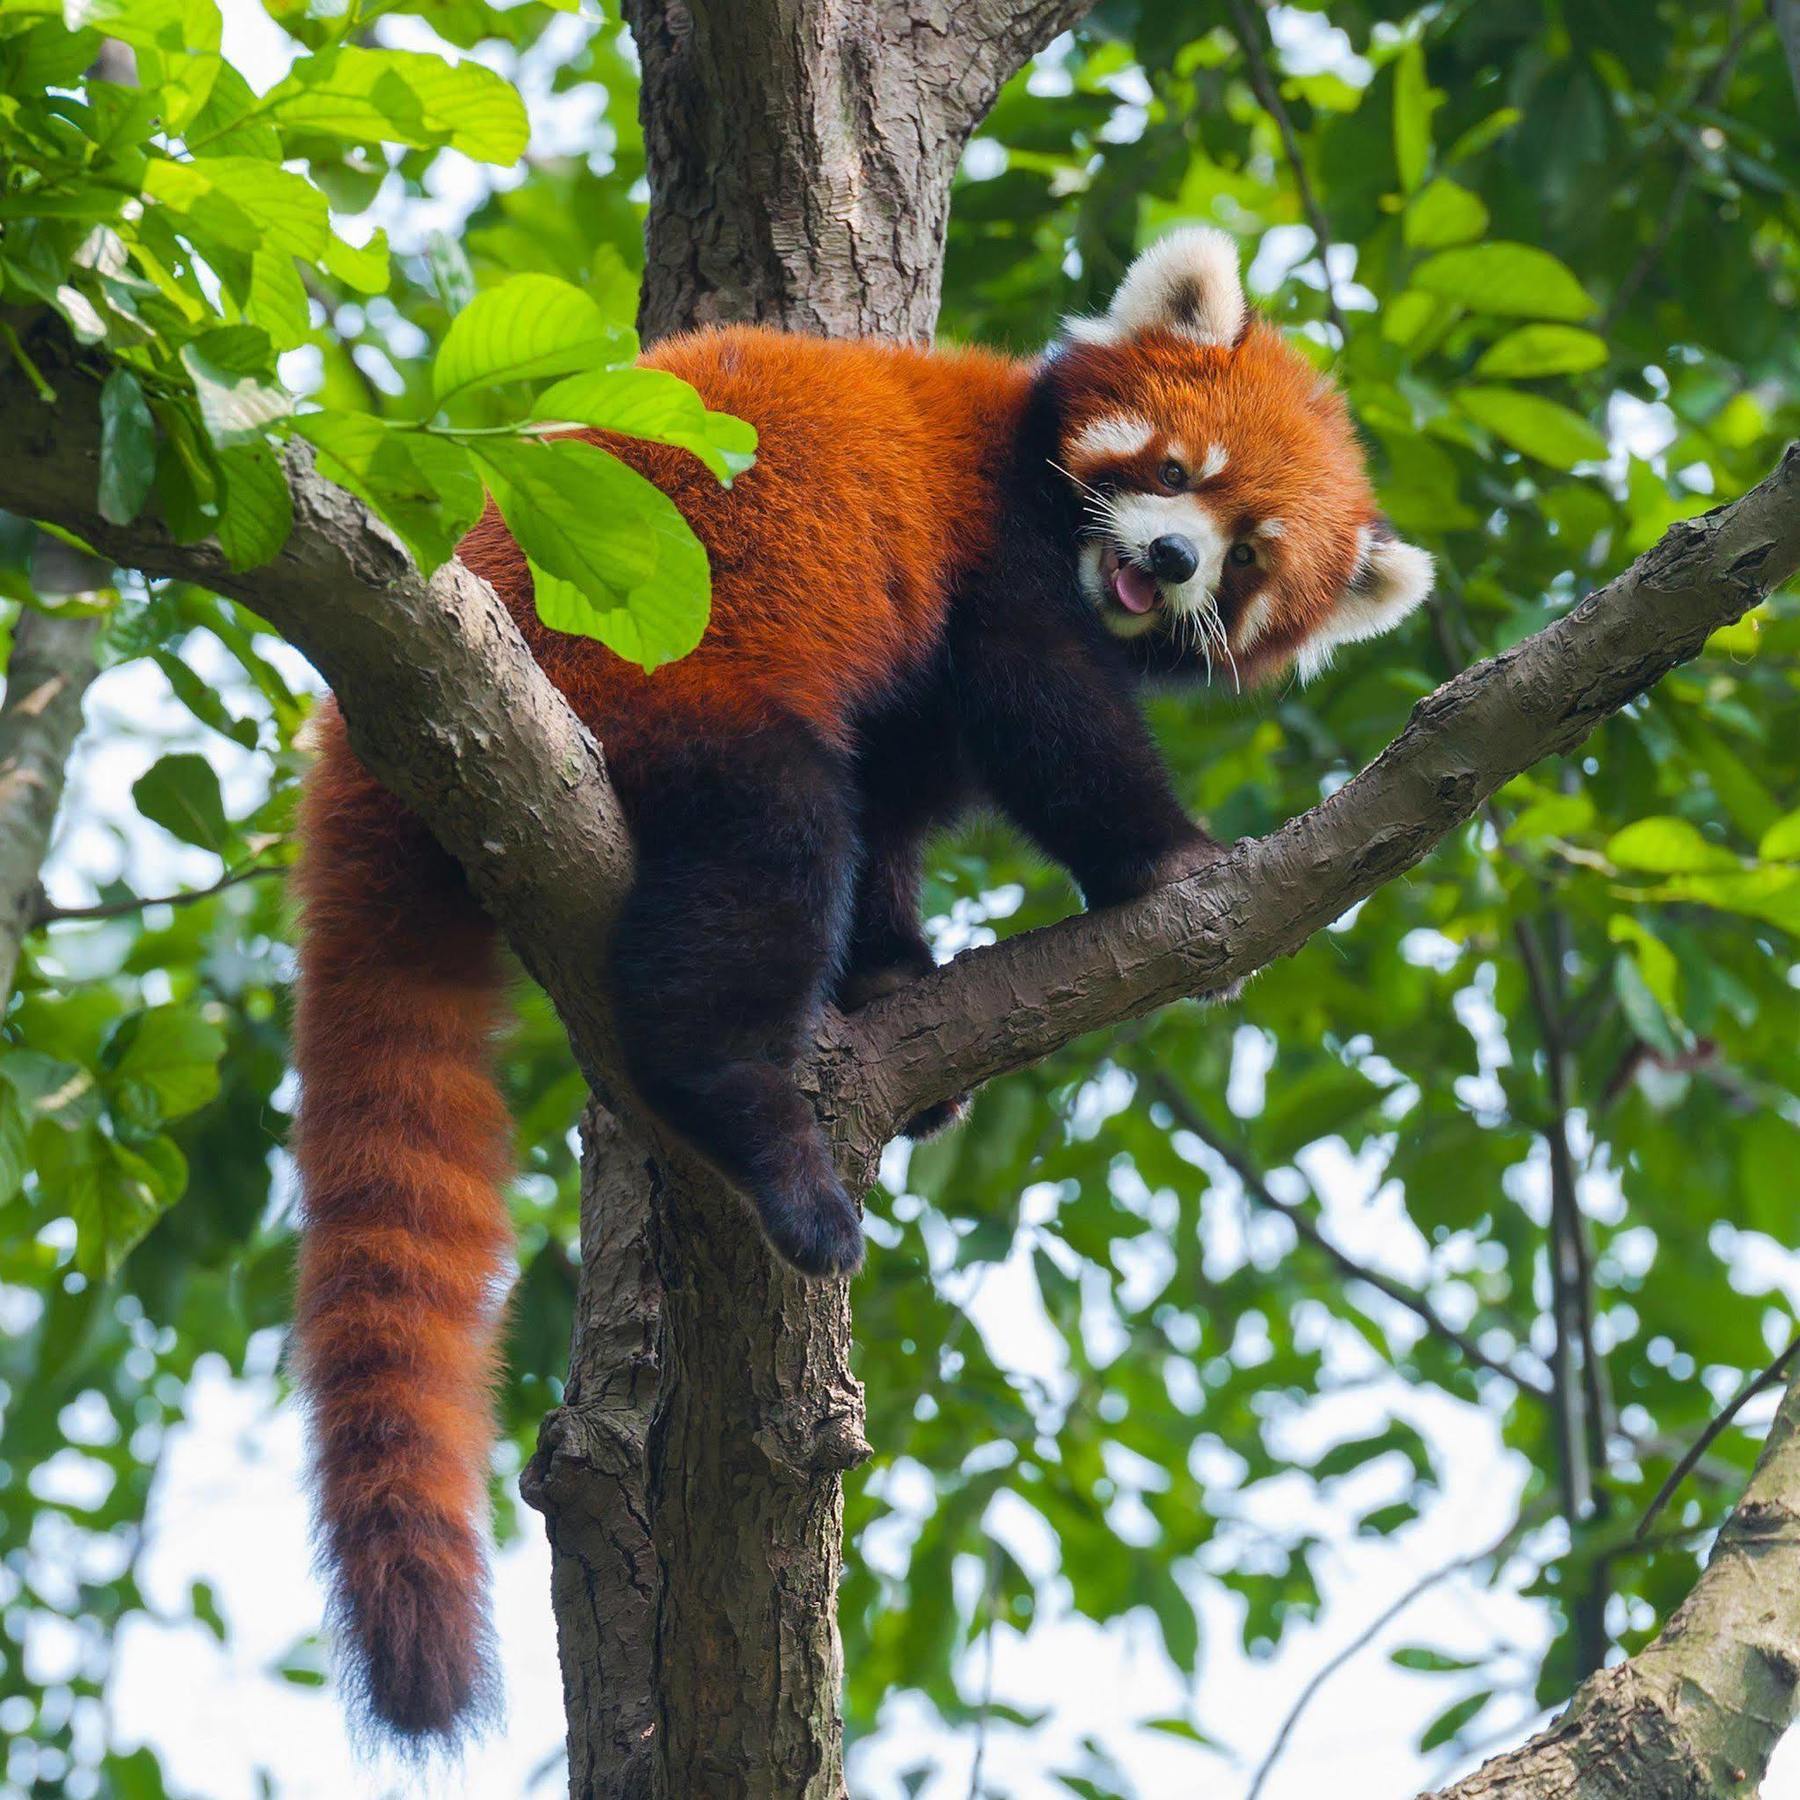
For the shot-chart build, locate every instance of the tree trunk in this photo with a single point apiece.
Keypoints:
(800, 159)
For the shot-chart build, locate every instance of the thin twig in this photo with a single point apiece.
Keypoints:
(49, 914)
(1579, 1401)
(1786, 14)
(1268, 97)
(1571, 1276)
(1708, 95)
(1416, 1303)
(990, 1597)
(1364, 1638)
(1747, 1391)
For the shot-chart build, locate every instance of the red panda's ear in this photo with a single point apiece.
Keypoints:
(1186, 283)
(1391, 578)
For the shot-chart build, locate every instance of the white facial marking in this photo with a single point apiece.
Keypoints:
(1138, 520)
(1122, 435)
(1213, 463)
(1271, 528)
(1255, 619)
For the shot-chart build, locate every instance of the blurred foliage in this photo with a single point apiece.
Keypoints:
(1564, 252)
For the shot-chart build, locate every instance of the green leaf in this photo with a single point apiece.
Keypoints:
(363, 267)
(1655, 961)
(1514, 279)
(278, 299)
(244, 202)
(402, 97)
(127, 448)
(1781, 842)
(258, 512)
(1452, 1720)
(1534, 425)
(425, 487)
(237, 403)
(172, 25)
(1412, 116)
(1771, 892)
(181, 794)
(1534, 350)
(228, 125)
(1668, 846)
(529, 326)
(653, 404)
(1643, 1012)
(1443, 213)
(170, 1053)
(113, 1193)
(612, 557)
(1428, 1662)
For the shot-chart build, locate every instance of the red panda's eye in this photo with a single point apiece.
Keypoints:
(1173, 476)
(1242, 554)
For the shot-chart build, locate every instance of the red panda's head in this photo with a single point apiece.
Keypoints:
(1229, 515)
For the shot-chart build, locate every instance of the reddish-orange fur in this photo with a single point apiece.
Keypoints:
(402, 1145)
(874, 485)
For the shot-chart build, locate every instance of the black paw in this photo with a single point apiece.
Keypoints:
(817, 1229)
(933, 1119)
(869, 981)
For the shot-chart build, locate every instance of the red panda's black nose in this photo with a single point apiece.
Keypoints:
(1173, 559)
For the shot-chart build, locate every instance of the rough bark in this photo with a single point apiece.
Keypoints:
(800, 156)
(801, 152)
(1697, 1714)
(51, 664)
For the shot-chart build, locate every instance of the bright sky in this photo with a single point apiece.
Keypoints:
(230, 1508)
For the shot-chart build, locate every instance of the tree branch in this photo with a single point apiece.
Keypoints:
(1706, 97)
(1748, 1389)
(1364, 1638)
(1697, 1714)
(51, 664)
(1786, 14)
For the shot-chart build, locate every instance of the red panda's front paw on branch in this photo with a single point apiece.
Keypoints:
(1142, 874)
(1186, 859)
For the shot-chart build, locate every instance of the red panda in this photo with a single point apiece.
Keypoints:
(943, 581)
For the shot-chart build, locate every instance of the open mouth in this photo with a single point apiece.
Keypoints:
(1131, 589)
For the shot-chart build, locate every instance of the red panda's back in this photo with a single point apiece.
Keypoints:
(831, 557)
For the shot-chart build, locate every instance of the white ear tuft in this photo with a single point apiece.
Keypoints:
(1186, 282)
(1392, 579)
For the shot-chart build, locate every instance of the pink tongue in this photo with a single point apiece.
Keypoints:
(1133, 589)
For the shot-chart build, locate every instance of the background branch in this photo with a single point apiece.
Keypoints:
(51, 664)
(47, 912)
(1189, 1118)
(1251, 27)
